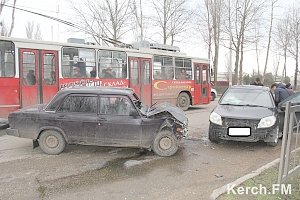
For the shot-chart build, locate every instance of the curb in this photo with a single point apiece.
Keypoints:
(221, 190)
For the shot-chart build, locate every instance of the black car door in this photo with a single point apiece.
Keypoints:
(77, 117)
(119, 123)
(295, 100)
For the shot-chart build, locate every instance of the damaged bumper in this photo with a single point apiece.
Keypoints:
(3, 124)
(265, 135)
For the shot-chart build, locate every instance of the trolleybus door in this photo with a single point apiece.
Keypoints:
(29, 76)
(205, 93)
(140, 78)
(202, 94)
(49, 74)
(37, 84)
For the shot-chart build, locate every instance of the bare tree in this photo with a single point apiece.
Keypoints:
(214, 12)
(273, 2)
(295, 39)
(2, 2)
(204, 27)
(179, 21)
(172, 17)
(104, 19)
(276, 62)
(4, 29)
(257, 37)
(32, 31)
(137, 11)
(29, 30)
(244, 15)
(282, 38)
(38, 33)
(12, 25)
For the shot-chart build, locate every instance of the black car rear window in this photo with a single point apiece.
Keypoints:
(250, 97)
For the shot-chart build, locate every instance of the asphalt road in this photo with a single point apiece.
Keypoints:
(87, 172)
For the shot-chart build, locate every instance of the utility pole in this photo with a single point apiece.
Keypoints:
(57, 12)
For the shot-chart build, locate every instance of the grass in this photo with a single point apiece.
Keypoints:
(266, 179)
(42, 191)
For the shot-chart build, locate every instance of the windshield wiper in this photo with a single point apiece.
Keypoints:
(250, 105)
(253, 105)
(229, 104)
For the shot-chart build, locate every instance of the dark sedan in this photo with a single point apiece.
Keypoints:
(102, 117)
(245, 113)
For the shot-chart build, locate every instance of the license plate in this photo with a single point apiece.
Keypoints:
(239, 131)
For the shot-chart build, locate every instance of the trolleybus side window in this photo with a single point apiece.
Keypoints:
(49, 69)
(7, 59)
(183, 69)
(204, 75)
(29, 73)
(134, 76)
(163, 68)
(78, 62)
(112, 64)
(197, 76)
(146, 77)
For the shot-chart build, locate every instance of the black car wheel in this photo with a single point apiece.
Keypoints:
(213, 96)
(183, 101)
(165, 143)
(276, 139)
(213, 136)
(52, 142)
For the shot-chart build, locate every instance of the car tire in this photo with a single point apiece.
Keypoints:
(213, 136)
(213, 96)
(165, 143)
(275, 142)
(183, 101)
(52, 142)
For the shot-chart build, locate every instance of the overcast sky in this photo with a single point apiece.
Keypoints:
(51, 30)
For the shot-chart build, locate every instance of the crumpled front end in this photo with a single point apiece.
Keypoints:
(174, 111)
(175, 118)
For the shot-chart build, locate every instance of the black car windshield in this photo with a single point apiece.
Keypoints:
(247, 97)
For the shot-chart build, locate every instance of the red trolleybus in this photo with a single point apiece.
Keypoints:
(31, 72)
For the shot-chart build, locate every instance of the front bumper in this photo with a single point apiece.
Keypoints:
(12, 132)
(3, 124)
(265, 134)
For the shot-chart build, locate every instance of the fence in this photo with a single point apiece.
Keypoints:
(290, 150)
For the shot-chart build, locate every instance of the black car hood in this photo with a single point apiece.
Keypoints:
(243, 112)
(176, 112)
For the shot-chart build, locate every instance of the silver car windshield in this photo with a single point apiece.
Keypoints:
(246, 97)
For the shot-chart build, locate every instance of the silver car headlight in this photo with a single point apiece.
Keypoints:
(215, 118)
(267, 122)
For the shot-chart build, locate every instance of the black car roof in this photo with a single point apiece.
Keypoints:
(97, 90)
(250, 87)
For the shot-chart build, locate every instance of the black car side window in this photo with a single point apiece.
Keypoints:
(82, 104)
(115, 105)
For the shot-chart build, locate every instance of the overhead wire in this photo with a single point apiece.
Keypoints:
(103, 37)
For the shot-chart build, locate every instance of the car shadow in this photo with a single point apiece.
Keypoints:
(251, 146)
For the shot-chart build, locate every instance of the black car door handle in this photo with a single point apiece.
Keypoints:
(101, 120)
